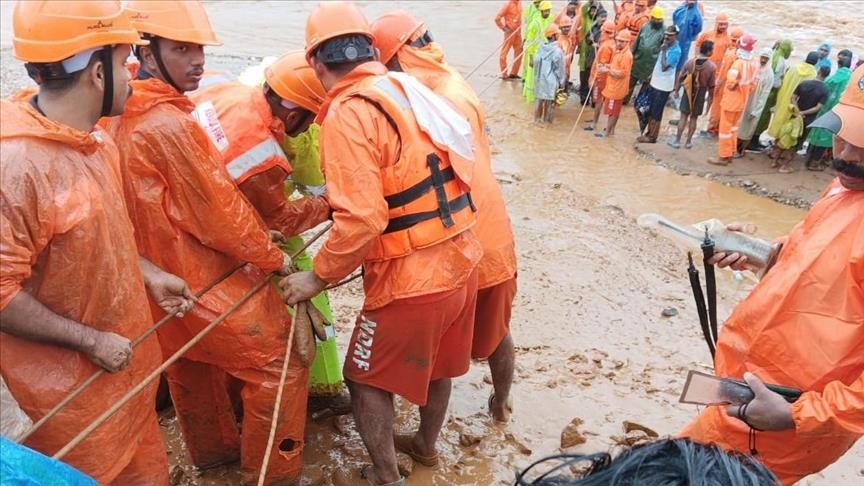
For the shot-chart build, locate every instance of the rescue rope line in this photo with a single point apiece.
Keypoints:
(346, 281)
(158, 371)
(101, 371)
(506, 39)
(276, 406)
(582, 110)
(198, 337)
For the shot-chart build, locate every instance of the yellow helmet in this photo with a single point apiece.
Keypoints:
(545, 5)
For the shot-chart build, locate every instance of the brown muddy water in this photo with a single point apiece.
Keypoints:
(587, 320)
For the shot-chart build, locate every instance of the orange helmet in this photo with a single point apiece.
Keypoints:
(329, 20)
(624, 36)
(392, 30)
(608, 27)
(736, 33)
(553, 29)
(44, 31)
(177, 20)
(293, 80)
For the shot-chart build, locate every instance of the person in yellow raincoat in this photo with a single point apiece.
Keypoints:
(803, 326)
(794, 76)
(535, 36)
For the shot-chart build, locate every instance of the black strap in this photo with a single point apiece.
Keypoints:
(404, 222)
(155, 49)
(422, 41)
(417, 190)
(107, 54)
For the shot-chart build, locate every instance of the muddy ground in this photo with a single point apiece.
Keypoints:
(592, 343)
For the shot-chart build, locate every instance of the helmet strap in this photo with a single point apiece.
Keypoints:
(155, 49)
(107, 54)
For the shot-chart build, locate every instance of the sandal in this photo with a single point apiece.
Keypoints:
(405, 443)
(674, 144)
(508, 409)
(785, 170)
(364, 473)
(688, 145)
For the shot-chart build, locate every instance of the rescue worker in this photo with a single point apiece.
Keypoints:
(509, 20)
(497, 269)
(729, 58)
(73, 293)
(646, 49)
(248, 125)
(534, 38)
(739, 83)
(623, 12)
(803, 326)
(617, 80)
(639, 18)
(719, 36)
(565, 42)
(414, 332)
(600, 70)
(191, 218)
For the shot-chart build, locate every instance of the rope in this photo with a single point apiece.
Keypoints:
(582, 110)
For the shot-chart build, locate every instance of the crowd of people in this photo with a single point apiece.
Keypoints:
(127, 186)
(743, 92)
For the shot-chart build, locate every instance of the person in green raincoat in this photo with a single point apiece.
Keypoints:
(535, 36)
(780, 64)
(645, 50)
(820, 139)
(306, 179)
(802, 72)
(588, 13)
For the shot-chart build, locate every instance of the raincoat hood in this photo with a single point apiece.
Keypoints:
(806, 71)
(20, 119)
(721, 17)
(426, 64)
(784, 50)
(147, 93)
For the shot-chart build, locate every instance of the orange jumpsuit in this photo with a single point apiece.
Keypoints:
(356, 175)
(240, 115)
(604, 56)
(636, 21)
(729, 58)
(721, 41)
(66, 240)
(191, 220)
(623, 13)
(497, 268)
(732, 106)
(509, 17)
(802, 326)
(616, 88)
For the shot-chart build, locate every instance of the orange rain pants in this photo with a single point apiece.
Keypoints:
(66, 240)
(727, 136)
(512, 42)
(802, 326)
(194, 222)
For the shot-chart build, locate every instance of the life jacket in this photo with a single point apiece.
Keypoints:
(428, 198)
(240, 124)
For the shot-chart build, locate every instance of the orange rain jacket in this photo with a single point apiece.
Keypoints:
(735, 94)
(239, 122)
(493, 223)
(358, 146)
(604, 56)
(191, 220)
(802, 326)
(66, 239)
(721, 43)
(616, 88)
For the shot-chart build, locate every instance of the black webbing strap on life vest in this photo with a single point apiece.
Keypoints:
(434, 182)
(422, 41)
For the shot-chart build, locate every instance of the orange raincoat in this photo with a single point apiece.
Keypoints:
(192, 221)
(493, 224)
(360, 213)
(240, 115)
(729, 58)
(66, 239)
(802, 326)
(721, 41)
(735, 95)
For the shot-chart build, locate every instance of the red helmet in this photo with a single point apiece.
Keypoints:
(747, 43)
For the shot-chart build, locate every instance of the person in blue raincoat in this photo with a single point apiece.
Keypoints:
(688, 19)
(548, 75)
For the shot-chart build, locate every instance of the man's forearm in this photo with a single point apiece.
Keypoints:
(27, 318)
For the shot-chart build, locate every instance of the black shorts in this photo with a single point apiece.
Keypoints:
(699, 103)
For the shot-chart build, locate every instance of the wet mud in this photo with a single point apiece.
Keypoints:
(604, 321)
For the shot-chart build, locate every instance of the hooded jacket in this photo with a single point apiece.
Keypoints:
(192, 221)
(793, 77)
(66, 240)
